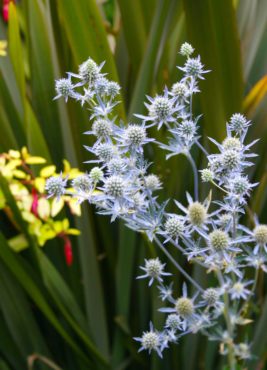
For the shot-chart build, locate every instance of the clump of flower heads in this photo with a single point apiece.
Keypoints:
(206, 232)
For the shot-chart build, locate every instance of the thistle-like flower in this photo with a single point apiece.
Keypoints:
(150, 341)
(64, 88)
(154, 270)
(56, 186)
(238, 123)
(186, 49)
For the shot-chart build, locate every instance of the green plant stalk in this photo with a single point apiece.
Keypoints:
(194, 169)
(226, 312)
(179, 268)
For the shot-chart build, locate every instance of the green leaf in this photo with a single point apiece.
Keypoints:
(9, 347)
(93, 290)
(131, 15)
(43, 64)
(16, 267)
(35, 139)
(18, 243)
(212, 29)
(91, 28)
(124, 277)
(16, 311)
(259, 341)
(148, 69)
(3, 365)
(15, 48)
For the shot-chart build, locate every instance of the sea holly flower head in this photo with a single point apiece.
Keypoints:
(64, 88)
(207, 175)
(219, 240)
(174, 227)
(180, 90)
(238, 123)
(89, 71)
(211, 297)
(56, 186)
(194, 68)
(260, 234)
(150, 341)
(154, 270)
(82, 183)
(96, 174)
(197, 213)
(186, 49)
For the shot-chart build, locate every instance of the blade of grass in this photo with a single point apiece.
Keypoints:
(15, 265)
(15, 48)
(124, 278)
(259, 342)
(42, 78)
(255, 96)
(94, 300)
(7, 346)
(16, 310)
(134, 30)
(147, 69)
(212, 30)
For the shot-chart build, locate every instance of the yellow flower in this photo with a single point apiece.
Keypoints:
(3, 45)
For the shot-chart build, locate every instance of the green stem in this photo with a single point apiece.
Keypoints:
(229, 326)
(194, 168)
(182, 271)
(219, 187)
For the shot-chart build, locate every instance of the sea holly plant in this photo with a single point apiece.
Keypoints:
(207, 232)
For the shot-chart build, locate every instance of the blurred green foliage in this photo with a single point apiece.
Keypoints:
(84, 316)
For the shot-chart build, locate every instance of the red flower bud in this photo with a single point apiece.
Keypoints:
(5, 12)
(68, 251)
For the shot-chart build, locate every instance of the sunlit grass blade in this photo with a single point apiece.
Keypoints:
(255, 96)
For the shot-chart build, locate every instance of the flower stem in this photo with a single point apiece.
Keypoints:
(182, 271)
(229, 326)
(219, 187)
(194, 168)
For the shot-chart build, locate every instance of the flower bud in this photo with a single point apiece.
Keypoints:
(154, 267)
(82, 183)
(186, 49)
(89, 71)
(152, 182)
(55, 186)
(135, 134)
(96, 174)
(174, 227)
(211, 296)
(260, 234)
(102, 128)
(115, 186)
(207, 175)
(197, 213)
(184, 307)
(219, 240)
(150, 340)
(160, 108)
